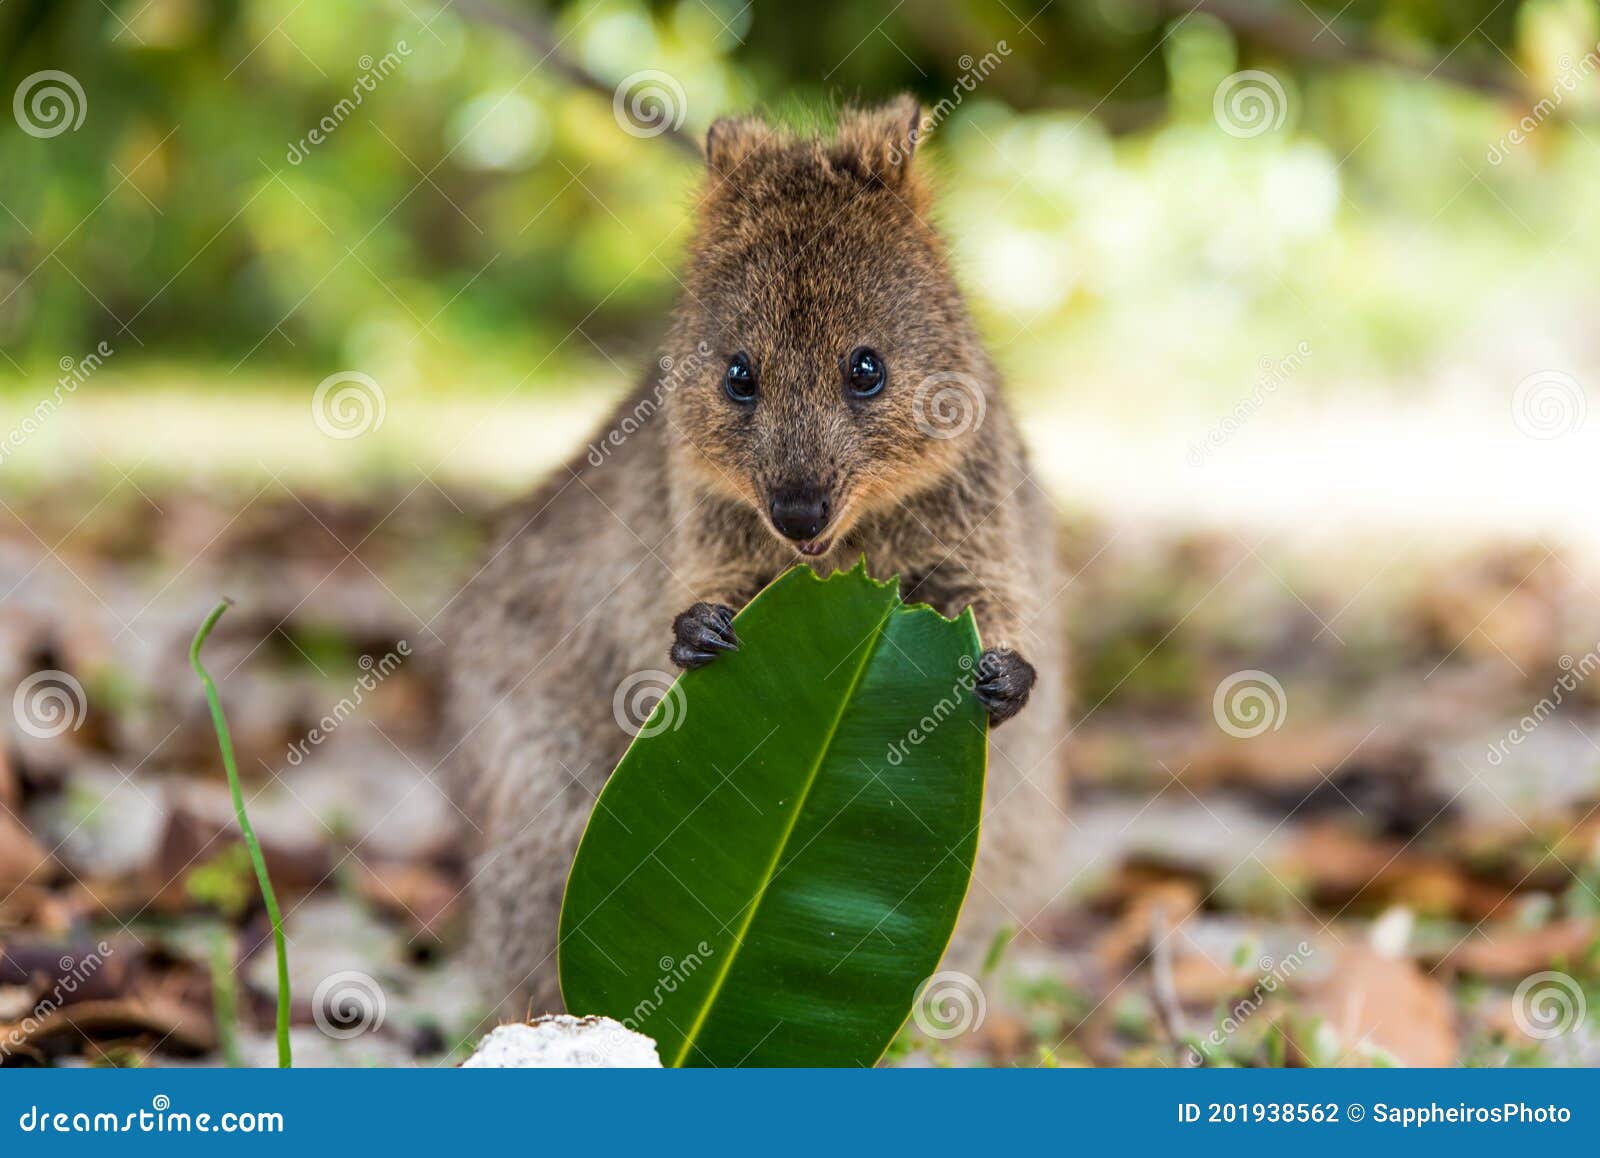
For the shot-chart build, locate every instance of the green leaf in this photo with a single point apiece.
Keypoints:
(779, 859)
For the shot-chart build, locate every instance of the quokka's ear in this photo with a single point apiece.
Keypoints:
(879, 142)
(730, 140)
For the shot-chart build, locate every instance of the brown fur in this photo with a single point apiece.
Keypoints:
(805, 250)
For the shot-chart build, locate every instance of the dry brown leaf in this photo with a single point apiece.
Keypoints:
(1003, 1037)
(417, 894)
(10, 786)
(1388, 1003)
(68, 972)
(1340, 867)
(1203, 981)
(1508, 952)
(23, 860)
(179, 1029)
(37, 909)
(1126, 941)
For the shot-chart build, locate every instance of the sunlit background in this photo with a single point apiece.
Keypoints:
(479, 234)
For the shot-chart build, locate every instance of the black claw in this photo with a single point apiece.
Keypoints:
(700, 633)
(1006, 679)
(708, 635)
(687, 657)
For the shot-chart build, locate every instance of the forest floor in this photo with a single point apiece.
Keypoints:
(1397, 862)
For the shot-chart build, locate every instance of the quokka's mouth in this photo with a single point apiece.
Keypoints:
(814, 547)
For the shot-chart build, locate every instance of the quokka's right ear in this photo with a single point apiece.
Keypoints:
(730, 140)
(878, 143)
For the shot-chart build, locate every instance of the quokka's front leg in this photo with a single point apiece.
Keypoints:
(1005, 678)
(701, 632)
(705, 629)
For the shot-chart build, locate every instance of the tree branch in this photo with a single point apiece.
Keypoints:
(533, 32)
(1293, 34)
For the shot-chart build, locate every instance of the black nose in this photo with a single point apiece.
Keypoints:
(800, 512)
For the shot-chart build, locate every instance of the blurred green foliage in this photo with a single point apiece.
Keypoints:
(478, 216)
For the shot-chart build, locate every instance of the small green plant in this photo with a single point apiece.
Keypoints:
(225, 742)
(222, 881)
(1277, 1047)
(997, 948)
(224, 997)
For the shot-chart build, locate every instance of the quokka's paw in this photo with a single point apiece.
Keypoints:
(700, 633)
(1004, 681)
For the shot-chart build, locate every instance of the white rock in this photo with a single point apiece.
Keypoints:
(1391, 932)
(565, 1042)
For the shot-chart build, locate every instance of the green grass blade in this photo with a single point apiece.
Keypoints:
(225, 742)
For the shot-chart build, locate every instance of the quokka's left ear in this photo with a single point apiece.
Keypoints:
(878, 143)
(731, 140)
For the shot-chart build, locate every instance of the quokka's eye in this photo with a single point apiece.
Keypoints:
(740, 379)
(865, 372)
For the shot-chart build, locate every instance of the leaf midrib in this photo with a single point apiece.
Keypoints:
(772, 867)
